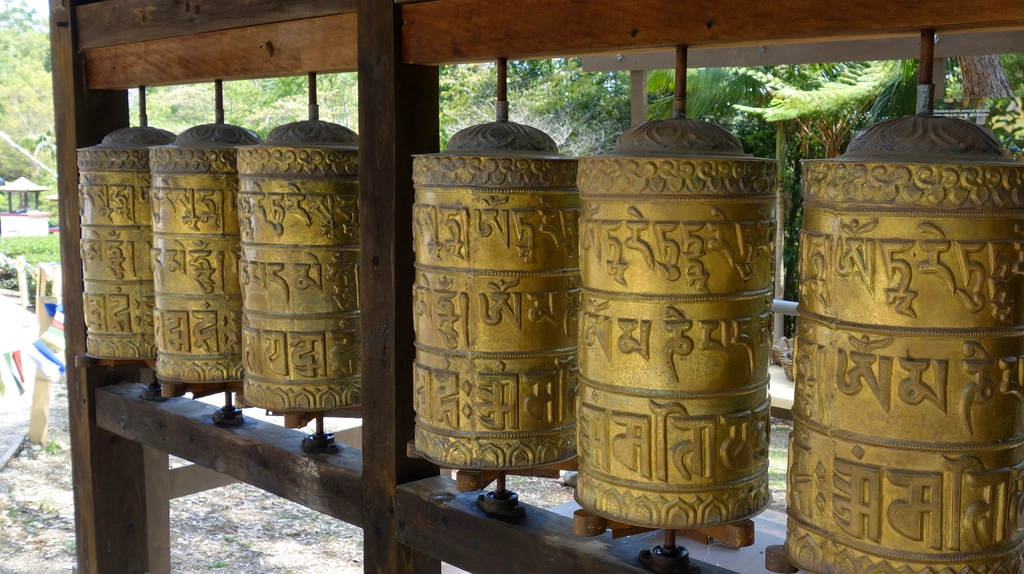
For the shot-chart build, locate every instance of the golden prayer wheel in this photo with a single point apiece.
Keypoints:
(907, 451)
(198, 314)
(496, 300)
(299, 269)
(676, 256)
(113, 194)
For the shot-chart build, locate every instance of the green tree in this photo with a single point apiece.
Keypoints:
(583, 112)
(259, 105)
(26, 95)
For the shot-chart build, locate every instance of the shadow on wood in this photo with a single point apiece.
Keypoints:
(258, 453)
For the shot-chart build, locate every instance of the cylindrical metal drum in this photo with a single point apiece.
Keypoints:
(907, 452)
(299, 271)
(113, 200)
(198, 314)
(496, 300)
(676, 255)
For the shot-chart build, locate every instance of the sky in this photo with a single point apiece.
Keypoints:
(42, 7)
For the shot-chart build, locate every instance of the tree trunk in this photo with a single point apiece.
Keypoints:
(984, 77)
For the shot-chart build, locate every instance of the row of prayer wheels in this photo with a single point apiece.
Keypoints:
(225, 258)
(907, 453)
(618, 308)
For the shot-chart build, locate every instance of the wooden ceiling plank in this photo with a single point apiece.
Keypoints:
(451, 31)
(114, 22)
(898, 48)
(325, 44)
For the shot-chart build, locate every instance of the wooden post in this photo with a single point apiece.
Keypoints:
(21, 267)
(110, 501)
(939, 77)
(39, 414)
(158, 509)
(781, 207)
(398, 117)
(638, 96)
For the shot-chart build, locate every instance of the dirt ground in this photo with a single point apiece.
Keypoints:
(234, 529)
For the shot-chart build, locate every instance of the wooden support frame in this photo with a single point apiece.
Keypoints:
(411, 519)
(398, 117)
(905, 47)
(129, 21)
(437, 519)
(261, 454)
(164, 484)
(110, 509)
(475, 30)
(257, 52)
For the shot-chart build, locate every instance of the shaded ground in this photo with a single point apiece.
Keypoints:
(234, 529)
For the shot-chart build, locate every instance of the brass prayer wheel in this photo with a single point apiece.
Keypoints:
(198, 315)
(299, 221)
(113, 199)
(676, 257)
(495, 229)
(907, 451)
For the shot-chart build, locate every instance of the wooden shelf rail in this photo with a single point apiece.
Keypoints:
(128, 43)
(433, 517)
(114, 22)
(450, 31)
(437, 519)
(262, 454)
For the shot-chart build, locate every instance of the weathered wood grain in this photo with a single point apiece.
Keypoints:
(447, 31)
(110, 501)
(115, 22)
(398, 117)
(262, 454)
(437, 519)
(325, 44)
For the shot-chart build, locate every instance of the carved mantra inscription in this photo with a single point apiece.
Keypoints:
(669, 345)
(675, 330)
(537, 232)
(907, 452)
(496, 310)
(195, 272)
(299, 274)
(115, 244)
(963, 389)
(879, 263)
(854, 503)
(676, 250)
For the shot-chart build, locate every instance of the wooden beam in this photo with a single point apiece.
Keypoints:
(258, 453)
(398, 117)
(905, 47)
(192, 479)
(637, 96)
(447, 31)
(115, 22)
(110, 499)
(326, 44)
(158, 510)
(437, 519)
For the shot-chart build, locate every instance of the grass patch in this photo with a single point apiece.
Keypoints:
(778, 456)
(36, 250)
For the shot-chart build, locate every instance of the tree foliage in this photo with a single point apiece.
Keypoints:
(26, 96)
(583, 112)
